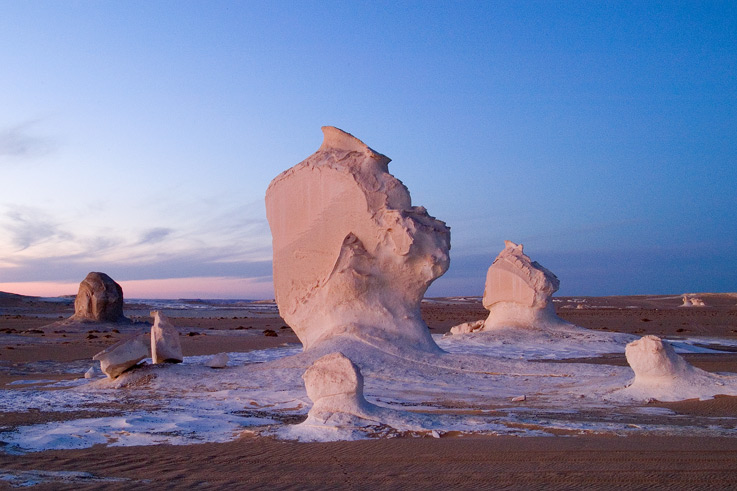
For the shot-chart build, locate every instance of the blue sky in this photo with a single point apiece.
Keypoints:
(138, 138)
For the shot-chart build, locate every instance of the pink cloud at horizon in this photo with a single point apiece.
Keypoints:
(199, 287)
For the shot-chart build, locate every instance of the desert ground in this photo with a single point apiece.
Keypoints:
(29, 339)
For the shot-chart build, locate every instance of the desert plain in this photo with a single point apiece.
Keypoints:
(36, 355)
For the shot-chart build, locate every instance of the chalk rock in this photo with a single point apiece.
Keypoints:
(654, 361)
(99, 299)
(514, 277)
(518, 291)
(335, 385)
(165, 345)
(124, 354)
(218, 361)
(340, 410)
(662, 374)
(692, 302)
(352, 256)
(467, 327)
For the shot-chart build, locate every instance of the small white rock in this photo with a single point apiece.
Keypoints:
(218, 361)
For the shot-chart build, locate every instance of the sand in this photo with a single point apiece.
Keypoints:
(501, 462)
(418, 463)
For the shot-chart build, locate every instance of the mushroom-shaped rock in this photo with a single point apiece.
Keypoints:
(335, 385)
(662, 374)
(124, 354)
(654, 361)
(518, 291)
(339, 410)
(218, 361)
(352, 256)
(165, 345)
(100, 299)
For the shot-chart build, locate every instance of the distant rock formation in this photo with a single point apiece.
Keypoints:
(692, 302)
(100, 299)
(352, 256)
(518, 293)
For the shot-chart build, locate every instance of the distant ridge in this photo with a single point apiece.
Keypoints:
(15, 296)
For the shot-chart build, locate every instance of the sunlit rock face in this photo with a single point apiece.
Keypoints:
(165, 345)
(352, 256)
(100, 299)
(124, 354)
(518, 291)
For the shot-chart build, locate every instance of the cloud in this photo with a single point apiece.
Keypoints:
(28, 226)
(18, 142)
(227, 243)
(154, 235)
(177, 265)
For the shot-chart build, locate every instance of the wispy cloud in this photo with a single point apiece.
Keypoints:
(228, 241)
(19, 142)
(39, 247)
(154, 235)
(186, 264)
(28, 226)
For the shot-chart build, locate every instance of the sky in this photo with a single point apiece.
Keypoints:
(138, 138)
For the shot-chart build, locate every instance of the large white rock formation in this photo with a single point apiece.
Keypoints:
(662, 374)
(518, 293)
(165, 345)
(352, 256)
(100, 299)
(124, 355)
